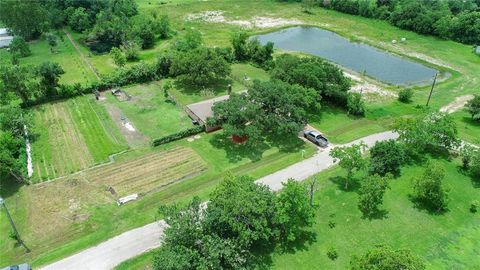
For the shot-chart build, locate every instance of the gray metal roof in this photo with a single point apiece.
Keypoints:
(203, 109)
(477, 50)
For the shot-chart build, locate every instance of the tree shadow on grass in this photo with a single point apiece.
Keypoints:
(217, 87)
(377, 215)
(236, 152)
(9, 186)
(289, 144)
(302, 243)
(424, 206)
(353, 184)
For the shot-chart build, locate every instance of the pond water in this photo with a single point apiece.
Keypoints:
(359, 57)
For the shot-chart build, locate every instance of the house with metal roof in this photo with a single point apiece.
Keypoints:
(5, 38)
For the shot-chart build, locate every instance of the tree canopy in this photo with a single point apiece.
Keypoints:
(349, 158)
(428, 188)
(385, 258)
(473, 107)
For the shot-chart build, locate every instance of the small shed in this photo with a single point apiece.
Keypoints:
(477, 50)
(5, 38)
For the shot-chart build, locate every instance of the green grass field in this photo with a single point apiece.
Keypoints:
(62, 217)
(446, 241)
(72, 135)
(75, 69)
(150, 112)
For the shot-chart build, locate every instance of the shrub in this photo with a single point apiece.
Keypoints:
(177, 136)
(405, 95)
(332, 253)
(355, 104)
(474, 205)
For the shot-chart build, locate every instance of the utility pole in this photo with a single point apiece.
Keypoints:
(17, 235)
(431, 90)
(312, 188)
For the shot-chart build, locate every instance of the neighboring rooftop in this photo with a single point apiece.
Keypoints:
(5, 38)
(477, 50)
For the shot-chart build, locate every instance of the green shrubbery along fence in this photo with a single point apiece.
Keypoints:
(177, 136)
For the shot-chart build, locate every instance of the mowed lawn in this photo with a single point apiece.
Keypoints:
(65, 55)
(468, 129)
(72, 135)
(150, 112)
(445, 241)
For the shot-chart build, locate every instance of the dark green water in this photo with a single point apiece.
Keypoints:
(359, 57)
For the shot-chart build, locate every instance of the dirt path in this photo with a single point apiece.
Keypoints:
(84, 59)
(457, 104)
(134, 137)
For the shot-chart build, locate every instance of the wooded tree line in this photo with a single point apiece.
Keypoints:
(107, 23)
(448, 19)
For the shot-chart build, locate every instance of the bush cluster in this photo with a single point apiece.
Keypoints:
(177, 136)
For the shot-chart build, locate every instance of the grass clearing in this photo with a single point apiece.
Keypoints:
(65, 55)
(468, 129)
(446, 241)
(70, 136)
(150, 112)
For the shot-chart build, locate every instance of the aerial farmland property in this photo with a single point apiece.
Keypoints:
(218, 134)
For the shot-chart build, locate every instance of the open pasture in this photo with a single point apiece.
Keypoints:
(70, 136)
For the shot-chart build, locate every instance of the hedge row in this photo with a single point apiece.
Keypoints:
(140, 73)
(177, 136)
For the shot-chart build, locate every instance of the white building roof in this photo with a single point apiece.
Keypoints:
(4, 31)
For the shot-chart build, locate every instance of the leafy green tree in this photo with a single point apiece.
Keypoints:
(473, 107)
(17, 79)
(386, 157)
(162, 27)
(428, 189)
(350, 158)
(237, 117)
(144, 31)
(131, 50)
(28, 19)
(124, 7)
(372, 190)
(432, 132)
(385, 258)
(313, 72)
(294, 212)
(109, 31)
(201, 66)
(118, 57)
(239, 43)
(79, 20)
(284, 106)
(355, 104)
(49, 74)
(405, 95)
(9, 156)
(252, 224)
(19, 47)
(13, 119)
(192, 40)
(474, 166)
(52, 41)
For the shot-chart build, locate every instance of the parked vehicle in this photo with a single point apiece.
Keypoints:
(23, 266)
(316, 138)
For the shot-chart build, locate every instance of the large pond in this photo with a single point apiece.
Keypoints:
(359, 57)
